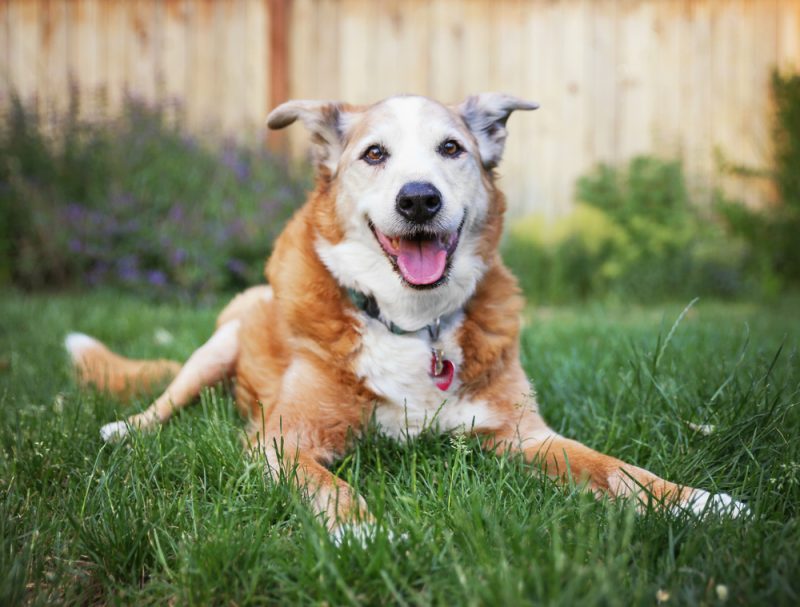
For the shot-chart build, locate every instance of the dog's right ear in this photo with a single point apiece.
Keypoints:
(325, 121)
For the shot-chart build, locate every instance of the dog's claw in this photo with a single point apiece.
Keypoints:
(114, 432)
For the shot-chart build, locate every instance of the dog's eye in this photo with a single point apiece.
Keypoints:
(450, 148)
(375, 154)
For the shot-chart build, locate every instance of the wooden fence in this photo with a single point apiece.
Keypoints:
(615, 78)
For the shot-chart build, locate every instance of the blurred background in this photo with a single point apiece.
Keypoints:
(664, 162)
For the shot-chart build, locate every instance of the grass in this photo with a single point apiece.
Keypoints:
(181, 517)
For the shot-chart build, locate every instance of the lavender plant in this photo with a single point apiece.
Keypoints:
(135, 202)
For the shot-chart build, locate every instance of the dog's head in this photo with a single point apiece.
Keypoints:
(412, 188)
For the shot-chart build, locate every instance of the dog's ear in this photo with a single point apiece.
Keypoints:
(486, 115)
(324, 119)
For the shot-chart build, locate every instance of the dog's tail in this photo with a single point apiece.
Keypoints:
(96, 365)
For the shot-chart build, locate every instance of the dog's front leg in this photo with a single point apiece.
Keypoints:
(564, 458)
(309, 426)
(329, 496)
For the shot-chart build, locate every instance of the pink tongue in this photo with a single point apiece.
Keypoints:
(421, 262)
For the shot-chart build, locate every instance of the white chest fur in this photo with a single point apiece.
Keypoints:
(397, 368)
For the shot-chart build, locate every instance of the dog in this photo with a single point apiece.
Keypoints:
(387, 300)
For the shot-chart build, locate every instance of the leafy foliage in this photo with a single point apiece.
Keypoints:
(637, 235)
(134, 202)
(772, 233)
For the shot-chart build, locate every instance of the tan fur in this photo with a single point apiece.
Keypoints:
(292, 352)
(99, 367)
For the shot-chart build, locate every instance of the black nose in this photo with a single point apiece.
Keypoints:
(418, 201)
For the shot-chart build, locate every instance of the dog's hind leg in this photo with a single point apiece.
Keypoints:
(210, 363)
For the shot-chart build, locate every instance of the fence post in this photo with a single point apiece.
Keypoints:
(279, 12)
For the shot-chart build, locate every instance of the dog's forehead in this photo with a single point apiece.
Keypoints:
(407, 114)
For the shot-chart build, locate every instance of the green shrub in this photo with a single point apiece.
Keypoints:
(773, 234)
(635, 235)
(564, 260)
(136, 203)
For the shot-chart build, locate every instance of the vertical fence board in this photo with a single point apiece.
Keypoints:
(354, 47)
(506, 75)
(202, 81)
(84, 55)
(382, 56)
(445, 80)
(228, 65)
(533, 129)
(572, 94)
(255, 98)
(304, 47)
(477, 15)
(385, 52)
(327, 31)
(636, 34)
(53, 75)
(789, 35)
(173, 66)
(113, 25)
(313, 60)
(23, 36)
(5, 74)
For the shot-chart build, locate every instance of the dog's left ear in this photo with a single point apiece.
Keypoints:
(324, 119)
(486, 116)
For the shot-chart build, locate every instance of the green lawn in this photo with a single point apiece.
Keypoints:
(180, 517)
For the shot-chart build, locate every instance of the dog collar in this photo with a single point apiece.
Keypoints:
(442, 370)
(368, 305)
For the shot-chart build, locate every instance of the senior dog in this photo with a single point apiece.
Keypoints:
(387, 301)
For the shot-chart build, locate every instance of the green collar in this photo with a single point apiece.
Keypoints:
(367, 304)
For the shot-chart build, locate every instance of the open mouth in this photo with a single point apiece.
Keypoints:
(422, 259)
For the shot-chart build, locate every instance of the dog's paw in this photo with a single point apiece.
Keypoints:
(702, 503)
(114, 432)
(363, 534)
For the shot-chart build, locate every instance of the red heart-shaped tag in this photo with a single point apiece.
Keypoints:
(445, 378)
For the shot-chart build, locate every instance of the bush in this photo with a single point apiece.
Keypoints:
(635, 235)
(136, 203)
(772, 233)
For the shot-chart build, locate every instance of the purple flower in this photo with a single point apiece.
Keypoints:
(97, 274)
(189, 142)
(121, 201)
(234, 229)
(74, 213)
(157, 278)
(75, 245)
(237, 266)
(268, 206)
(131, 227)
(128, 268)
(176, 213)
(178, 256)
(235, 163)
